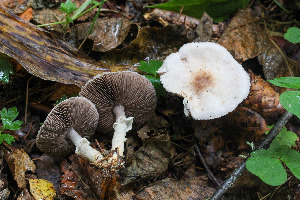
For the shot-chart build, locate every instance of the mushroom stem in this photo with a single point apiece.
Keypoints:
(122, 125)
(83, 147)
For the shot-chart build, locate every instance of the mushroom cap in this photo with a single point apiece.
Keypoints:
(78, 113)
(129, 89)
(211, 81)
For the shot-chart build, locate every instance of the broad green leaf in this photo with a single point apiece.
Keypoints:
(290, 100)
(284, 138)
(288, 82)
(160, 90)
(7, 138)
(8, 117)
(68, 7)
(6, 69)
(219, 10)
(150, 67)
(292, 161)
(293, 35)
(9, 114)
(269, 170)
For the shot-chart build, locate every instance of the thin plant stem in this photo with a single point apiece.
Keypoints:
(265, 143)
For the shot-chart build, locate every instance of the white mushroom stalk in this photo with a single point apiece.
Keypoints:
(83, 147)
(122, 125)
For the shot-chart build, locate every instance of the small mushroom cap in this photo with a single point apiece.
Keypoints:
(78, 113)
(211, 81)
(129, 89)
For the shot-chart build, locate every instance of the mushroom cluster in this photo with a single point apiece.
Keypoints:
(112, 101)
(211, 81)
(123, 99)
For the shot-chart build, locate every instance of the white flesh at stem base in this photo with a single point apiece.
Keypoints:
(122, 125)
(83, 147)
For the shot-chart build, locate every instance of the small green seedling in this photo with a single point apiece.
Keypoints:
(290, 100)
(68, 7)
(267, 163)
(293, 35)
(150, 68)
(7, 117)
(6, 69)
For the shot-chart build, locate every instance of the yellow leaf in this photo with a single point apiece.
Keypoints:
(42, 189)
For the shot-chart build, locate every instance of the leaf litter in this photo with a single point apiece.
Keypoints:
(157, 163)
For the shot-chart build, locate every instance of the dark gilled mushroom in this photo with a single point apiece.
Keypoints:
(123, 100)
(66, 127)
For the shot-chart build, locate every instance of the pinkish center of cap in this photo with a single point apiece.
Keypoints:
(202, 81)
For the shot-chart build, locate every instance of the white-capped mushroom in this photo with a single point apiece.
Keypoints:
(211, 81)
(66, 128)
(123, 100)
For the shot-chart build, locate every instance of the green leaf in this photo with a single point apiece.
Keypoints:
(8, 117)
(269, 170)
(150, 67)
(293, 35)
(7, 138)
(288, 82)
(6, 69)
(284, 138)
(290, 100)
(160, 90)
(68, 7)
(219, 10)
(292, 161)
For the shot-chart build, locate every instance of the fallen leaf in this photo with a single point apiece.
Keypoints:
(27, 15)
(25, 195)
(245, 123)
(150, 159)
(48, 169)
(43, 55)
(84, 181)
(151, 43)
(19, 162)
(46, 16)
(263, 99)
(245, 39)
(241, 37)
(42, 189)
(16, 6)
(107, 33)
(189, 187)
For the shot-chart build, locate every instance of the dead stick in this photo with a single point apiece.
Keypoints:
(265, 143)
(210, 174)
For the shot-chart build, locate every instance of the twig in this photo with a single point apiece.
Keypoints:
(238, 172)
(210, 174)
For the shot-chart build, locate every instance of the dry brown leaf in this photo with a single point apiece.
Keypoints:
(241, 37)
(151, 43)
(107, 33)
(151, 159)
(16, 6)
(249, 125)
(43, 55)
(25, 195)
(19, 162)
(246, 39)
(190, 187)
(83, 181)
(46, 16)
(263, 99)
(48, 169)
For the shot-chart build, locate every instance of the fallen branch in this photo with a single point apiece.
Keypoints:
(265, 143)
